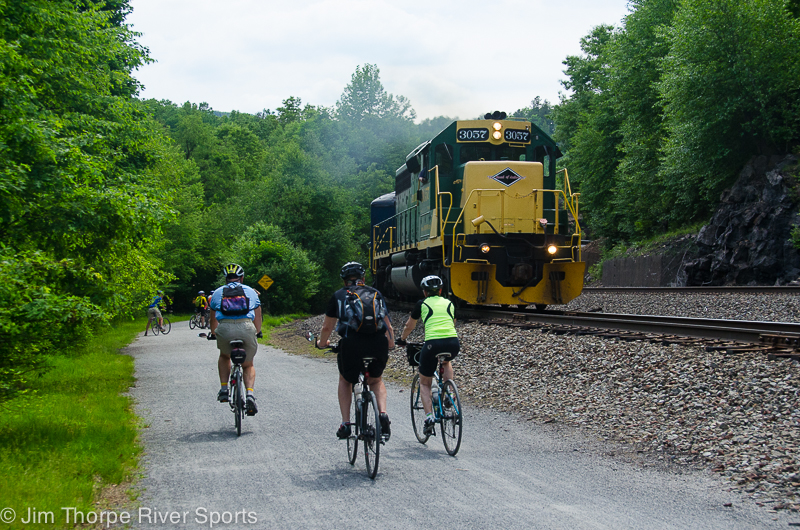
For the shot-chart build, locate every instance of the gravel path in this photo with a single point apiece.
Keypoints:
(679, 407)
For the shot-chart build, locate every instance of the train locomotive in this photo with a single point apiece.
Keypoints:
(479, 206)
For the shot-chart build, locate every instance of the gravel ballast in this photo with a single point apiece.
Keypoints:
(734, 415)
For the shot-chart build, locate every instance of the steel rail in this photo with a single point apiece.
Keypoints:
(737, 289)
(727, 330)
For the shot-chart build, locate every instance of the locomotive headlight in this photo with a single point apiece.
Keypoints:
(497, 126)
(484, 248)
(552, 249)
(497, 135)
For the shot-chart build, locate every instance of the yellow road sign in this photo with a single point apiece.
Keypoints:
(265, 282)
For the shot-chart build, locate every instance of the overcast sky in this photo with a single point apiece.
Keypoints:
(455, 58)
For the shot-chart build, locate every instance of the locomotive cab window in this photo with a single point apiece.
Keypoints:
(504, 152)
(444, 159)
(470, 153)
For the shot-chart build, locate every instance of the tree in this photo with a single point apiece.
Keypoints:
(264, 249)
(730, 88)
(635, 60)
(588, 130)
(538, 114)
(366, 98)
(82, 194)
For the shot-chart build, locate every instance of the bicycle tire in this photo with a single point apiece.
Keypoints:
(154, 327)
(237, 401)
(452, 417)
(417, 411)
(167, 326)
(193, 322)
(371, 435)
(352, 440)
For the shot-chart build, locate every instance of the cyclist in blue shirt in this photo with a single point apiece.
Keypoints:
(154, 311)
(228, 327)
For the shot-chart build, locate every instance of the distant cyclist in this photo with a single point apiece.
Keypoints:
(201, 307)
(154, 311)
(438, 316)
(354, 346)
(236, 316)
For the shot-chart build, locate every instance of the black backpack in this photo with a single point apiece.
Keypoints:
(234, 302)
(364, 309)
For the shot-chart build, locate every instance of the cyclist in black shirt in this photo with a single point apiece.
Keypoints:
(353, 346)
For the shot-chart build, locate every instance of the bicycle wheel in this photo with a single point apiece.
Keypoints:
(193, 322)
(371, 435)
(167, 326)
(352, 440)
(154, 327)
(452, 418)
(418, 412)
(238, 402)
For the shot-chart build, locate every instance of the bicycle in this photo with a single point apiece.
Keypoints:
(194, 322)
(156, 329)
(366, 426)
(446, 404)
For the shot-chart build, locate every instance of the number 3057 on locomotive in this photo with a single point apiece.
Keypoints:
(482, 206)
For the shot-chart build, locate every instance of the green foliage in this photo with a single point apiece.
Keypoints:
(84, 180)
(665, 110)
(730, 85)
(538, 114)
(365, 98)
(588, 128)
(263, 249)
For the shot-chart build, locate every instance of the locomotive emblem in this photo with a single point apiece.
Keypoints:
(507, 177)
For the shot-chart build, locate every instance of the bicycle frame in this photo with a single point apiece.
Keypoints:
(438, 405)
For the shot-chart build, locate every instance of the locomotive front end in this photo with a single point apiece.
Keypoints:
(507, 251)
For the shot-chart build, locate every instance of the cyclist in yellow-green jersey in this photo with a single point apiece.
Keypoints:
(438, 316)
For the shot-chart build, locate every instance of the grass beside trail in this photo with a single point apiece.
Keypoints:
(76, 434)
(269, 322)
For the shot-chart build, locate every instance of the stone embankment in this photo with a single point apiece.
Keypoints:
(734, 415)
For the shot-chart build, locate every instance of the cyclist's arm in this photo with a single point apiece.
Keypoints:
(410, 325)
(257, 318)
(214, 322)
(327, 328)
(389, 331)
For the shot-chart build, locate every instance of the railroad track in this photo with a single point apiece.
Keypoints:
(710, 289)
(775, 339)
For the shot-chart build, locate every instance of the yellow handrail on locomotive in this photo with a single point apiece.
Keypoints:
(378, 240)
(567, 202)
(442, 220)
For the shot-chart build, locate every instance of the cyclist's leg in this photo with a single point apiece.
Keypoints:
(452, 346)
(425, 393)
(345, 393)
(377, 346)
(379, 389)
(427, 367)
(224, 368)
(349, 366)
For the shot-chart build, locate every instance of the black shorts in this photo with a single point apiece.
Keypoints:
(355, 347)
(427, 357)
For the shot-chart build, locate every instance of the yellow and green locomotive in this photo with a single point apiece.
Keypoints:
(478, 205)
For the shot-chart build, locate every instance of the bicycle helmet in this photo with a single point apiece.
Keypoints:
(201, 293)
(232, 269)
(431, 284)
(352, 268)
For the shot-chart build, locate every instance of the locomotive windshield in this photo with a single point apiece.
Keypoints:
(470, 153)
